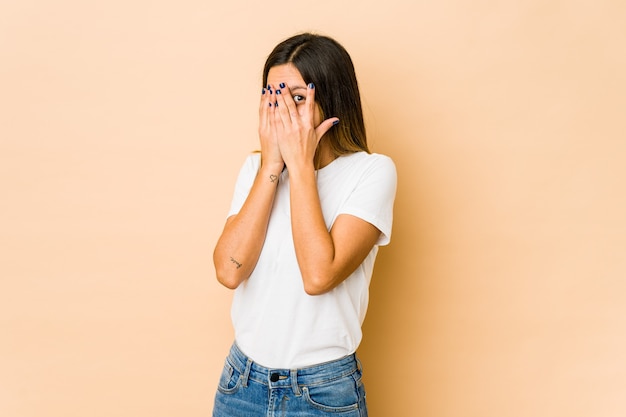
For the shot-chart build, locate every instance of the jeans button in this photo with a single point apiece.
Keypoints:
(274, 377)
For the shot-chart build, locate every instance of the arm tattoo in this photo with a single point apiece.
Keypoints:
(273, 178)
(235, 262)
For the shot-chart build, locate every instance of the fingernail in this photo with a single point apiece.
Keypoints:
(270, 104)
(269, 87)
(263, 91)
(311, 86)
(282, 85)
(336, 122)
(278, 92)
(276, 104)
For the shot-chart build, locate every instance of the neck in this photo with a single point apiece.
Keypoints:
(324, 155)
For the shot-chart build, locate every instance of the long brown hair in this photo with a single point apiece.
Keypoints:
(325, 63)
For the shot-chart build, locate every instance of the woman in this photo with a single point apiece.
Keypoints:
(307, 217)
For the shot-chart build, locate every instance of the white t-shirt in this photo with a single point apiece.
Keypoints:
(277, 324)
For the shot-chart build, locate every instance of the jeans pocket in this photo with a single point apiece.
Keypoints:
(339, 396)
(230, 379)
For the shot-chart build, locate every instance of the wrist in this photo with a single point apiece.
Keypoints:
(272, 167)
(301, 166)
(301, 172)
(271, 172)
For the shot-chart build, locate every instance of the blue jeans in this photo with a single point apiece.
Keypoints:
(247, 389)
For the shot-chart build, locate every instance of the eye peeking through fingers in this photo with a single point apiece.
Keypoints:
(299, 99)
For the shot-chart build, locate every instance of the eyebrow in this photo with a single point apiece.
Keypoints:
(297, 87)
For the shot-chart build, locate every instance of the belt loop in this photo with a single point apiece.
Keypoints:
(294, 382)
(246, 373)
(358, 364)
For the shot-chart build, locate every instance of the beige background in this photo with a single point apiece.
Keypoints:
(122, 128)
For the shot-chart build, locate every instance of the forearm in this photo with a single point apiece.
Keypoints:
(240, 244)
(313, 243)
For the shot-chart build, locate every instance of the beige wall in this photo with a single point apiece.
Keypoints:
(123, 125)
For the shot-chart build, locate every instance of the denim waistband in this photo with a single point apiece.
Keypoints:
(275, 378)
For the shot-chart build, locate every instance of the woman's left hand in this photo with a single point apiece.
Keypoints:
(295, 128)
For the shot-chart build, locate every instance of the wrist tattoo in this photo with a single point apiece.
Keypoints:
(235, 262)
(273, 178)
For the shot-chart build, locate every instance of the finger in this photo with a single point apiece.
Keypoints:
(277, 119)
(282, 110)
(310, 101)
(325, 126)
(288, 108)
(271, 108)
(263, 107)
(269, 105)
(281, 107)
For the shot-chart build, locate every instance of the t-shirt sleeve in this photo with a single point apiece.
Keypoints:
(245, 179)
(373, 197)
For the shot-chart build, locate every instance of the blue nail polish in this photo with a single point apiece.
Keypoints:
(336, 122)
(278, 92)
(269, 87)
(263, 92)
(270, 104)
(282, 85)
(276, 104)
(311, 86)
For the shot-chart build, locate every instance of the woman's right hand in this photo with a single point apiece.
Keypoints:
(239, 246)
(270, 152)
